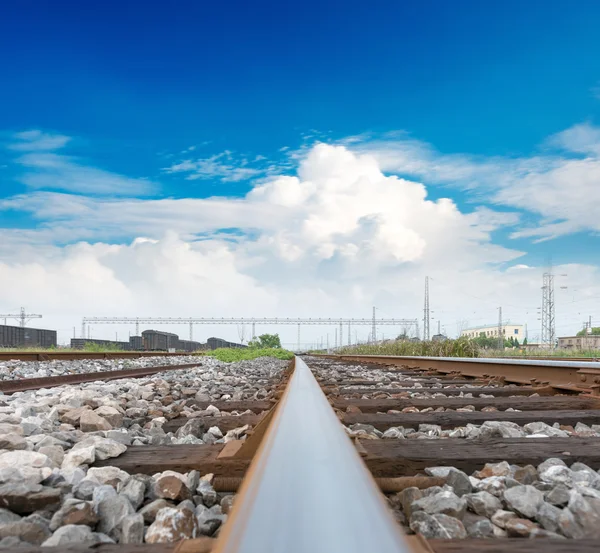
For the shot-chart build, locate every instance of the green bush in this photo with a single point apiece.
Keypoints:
(231, 355)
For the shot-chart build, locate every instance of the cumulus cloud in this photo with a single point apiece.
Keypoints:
(561, 184)
(336, 238)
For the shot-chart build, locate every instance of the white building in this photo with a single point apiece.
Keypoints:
(491, 331)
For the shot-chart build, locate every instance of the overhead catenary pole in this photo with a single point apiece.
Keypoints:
(426, 333)
(548, 323)
(341, 334)
(500, 332)
(23, 317)
(349, 334)
(298, 343)
(374, 328)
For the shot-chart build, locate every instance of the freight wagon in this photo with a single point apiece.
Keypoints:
(190, 345)
(18, 336)
(79, 343)
(215, 343)
(155, 340)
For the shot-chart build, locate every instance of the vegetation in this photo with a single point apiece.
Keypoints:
(231, 355)
(491, 342)
(595, 330)
(461, 347)
(100, 348)
(265, 341)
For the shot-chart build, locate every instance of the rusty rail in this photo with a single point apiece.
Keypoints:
(570, 376)
(12, 386)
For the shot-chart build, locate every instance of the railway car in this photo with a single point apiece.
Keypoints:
(216, 343)
(155, 340)
(18, 336)
(79, 343)
(136, 343)
(190, 345)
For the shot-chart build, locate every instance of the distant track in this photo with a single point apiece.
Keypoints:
(12, 386)
(80, 355)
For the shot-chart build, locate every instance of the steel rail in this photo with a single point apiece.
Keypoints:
(24, 384)
(307, 490)
(574, 376)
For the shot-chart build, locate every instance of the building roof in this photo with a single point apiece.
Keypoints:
(491, 326)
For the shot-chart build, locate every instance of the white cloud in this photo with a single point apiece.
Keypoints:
(36, 140)
(334, 240)
(562, 187)
(221, 166)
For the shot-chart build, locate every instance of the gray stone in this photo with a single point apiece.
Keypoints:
(460, 482)
(12, 442)
(132, 530)
(11, 543)
(27, 498)
(207, 492)
(149, 511)
(477, 526)
(545, 430)
(227, 503)
(54, 452)
(553, 461)
(77, 457)
(25, 531)
(521, 528)
(407, 497)
(194, 427)
(32, 459)
(558, 495)
(111, 512)
(446, 502)
(439, 472)
(526, 475)
(493, 469)
(548, 516)
(557, 474)
(8, 516)
(525, 500)
(581, 518)
(72, 534)
(496, 485)
(105, 448)
(134, 490)
(173, 525)
(74, 511)
(501, 517)
(85, 489)
(483, 503)
(437, 526)
(113, 476)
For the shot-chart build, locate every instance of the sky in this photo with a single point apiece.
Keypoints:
(309, 159)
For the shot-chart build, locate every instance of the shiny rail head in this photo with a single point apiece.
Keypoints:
(307, 490)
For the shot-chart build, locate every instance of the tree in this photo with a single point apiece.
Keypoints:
(524, 341)
(265, 341)
(516, 341)
(595, 330)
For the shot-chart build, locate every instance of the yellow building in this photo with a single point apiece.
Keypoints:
(491, 331)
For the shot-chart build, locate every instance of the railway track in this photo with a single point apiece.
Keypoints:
(80, 355)
(302, 487)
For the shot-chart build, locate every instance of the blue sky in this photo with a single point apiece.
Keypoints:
(112, 107)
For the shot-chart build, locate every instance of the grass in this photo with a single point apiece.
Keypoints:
(591, 353)
(231, 355)
(461, 347)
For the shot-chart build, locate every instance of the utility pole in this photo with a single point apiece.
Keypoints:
(426, 334)
(418, 330)
(253, 330)
(22, 317)
(137, 327)
(341, 334)
(548, 313)
(191, 330)
(439, 331)
(336, 342)
(500, 334)
(374, 329)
